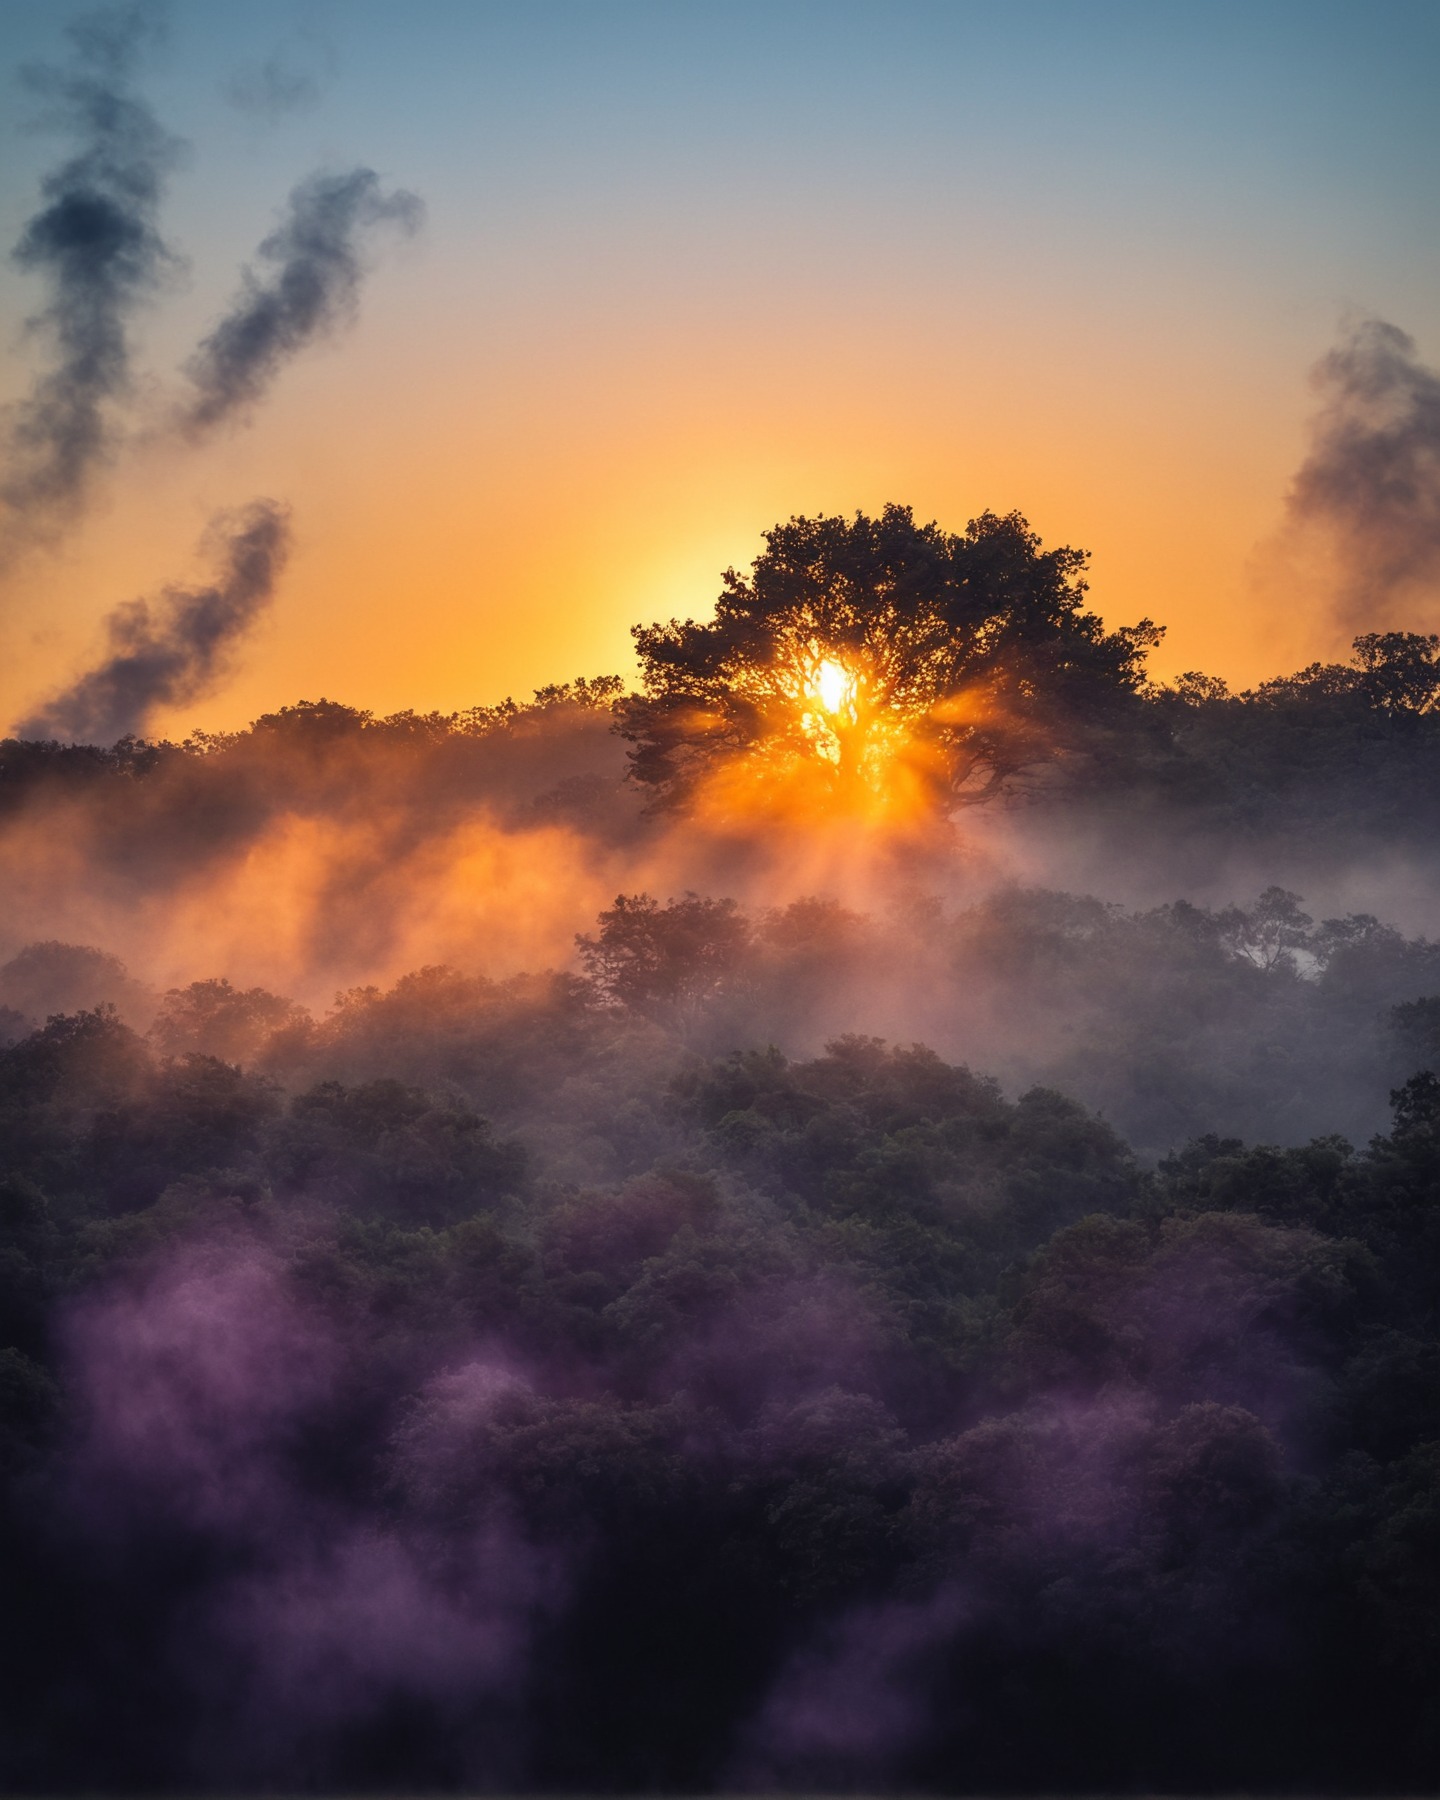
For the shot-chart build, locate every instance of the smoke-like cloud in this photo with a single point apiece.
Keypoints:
(318, 253)
(175, 650)
(1370, 486)
(96, 242)
(276, 88)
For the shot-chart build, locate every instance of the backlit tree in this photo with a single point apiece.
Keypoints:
(879, 660)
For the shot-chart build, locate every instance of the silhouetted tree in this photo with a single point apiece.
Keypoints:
(860, 644)
(659, 960)
(1270, 933)
(1400, 670)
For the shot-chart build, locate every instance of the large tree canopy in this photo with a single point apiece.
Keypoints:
(879, 657)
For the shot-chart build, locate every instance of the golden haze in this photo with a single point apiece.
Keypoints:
(486, 533)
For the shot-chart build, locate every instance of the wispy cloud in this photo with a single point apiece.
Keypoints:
(319, 266)
(97, 245)
(175, 649)
(1370, 486)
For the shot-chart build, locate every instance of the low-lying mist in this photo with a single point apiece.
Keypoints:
(502, 1288)
(1184, 963)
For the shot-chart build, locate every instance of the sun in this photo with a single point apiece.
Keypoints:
(837, 746)
(832, 686)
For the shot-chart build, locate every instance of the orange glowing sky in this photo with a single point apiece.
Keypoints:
(687, 275)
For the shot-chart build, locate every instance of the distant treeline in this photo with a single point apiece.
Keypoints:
(1256, 1021)
(310, 727)
(1350, 729)
(1350, 746)
(490, 1385)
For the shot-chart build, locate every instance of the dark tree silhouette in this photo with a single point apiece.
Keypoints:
(1396, 673)
(874, 651)
(664, 961)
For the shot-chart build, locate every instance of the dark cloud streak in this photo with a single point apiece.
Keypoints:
(1371, 482)
(175, 651)
(96, 242)
(315, 289)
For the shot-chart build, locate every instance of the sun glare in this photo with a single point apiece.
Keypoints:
(837, 747)
(832, 686)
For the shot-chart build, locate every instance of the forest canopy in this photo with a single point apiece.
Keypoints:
(664, 1303)
(482, 1383)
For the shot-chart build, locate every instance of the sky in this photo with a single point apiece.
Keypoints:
(687, 269)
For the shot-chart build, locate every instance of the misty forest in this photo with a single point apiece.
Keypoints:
(866, 1309)
(855, 1208)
